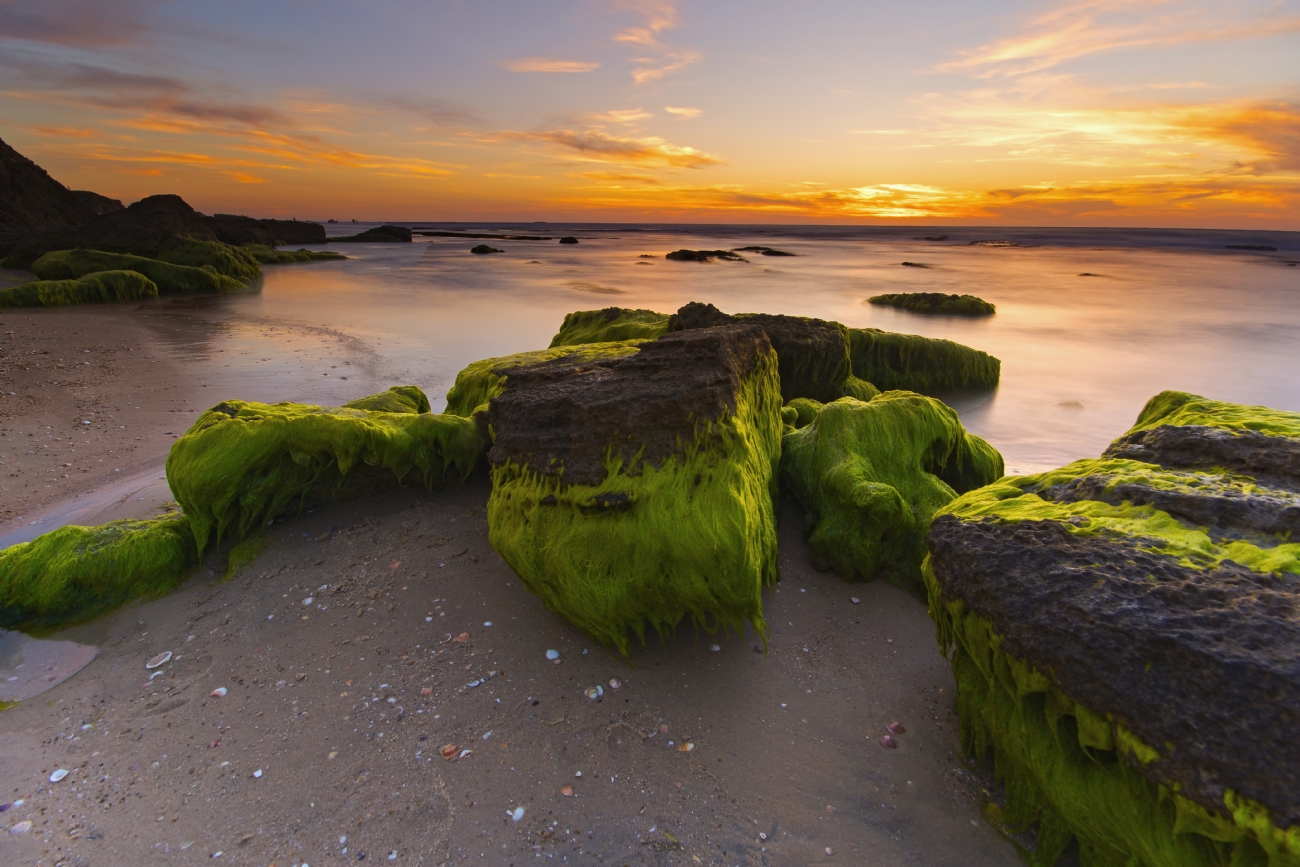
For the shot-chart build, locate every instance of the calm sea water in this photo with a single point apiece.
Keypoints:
(1080, 354)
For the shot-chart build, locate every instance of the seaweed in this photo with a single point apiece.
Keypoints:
(934, 303)
(1077, 775)
(653, 542)
(871, 475)
(100, 287)
(76, 573)
(244, 463)
(1182, 409)
(922, 364)
(483, 380)
(237, 262)
(271, 256)
(169, 277)
(398, 398)
(610, 324)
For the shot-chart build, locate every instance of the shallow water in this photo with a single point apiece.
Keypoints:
(1080, 354)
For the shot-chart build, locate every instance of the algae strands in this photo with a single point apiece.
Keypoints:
(1123, 636)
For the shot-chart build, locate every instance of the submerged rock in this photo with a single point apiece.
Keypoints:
(244, 463)
(1124, 635)
(97, 288)
(871, 475)
(484, 249)
(703, 256)
(377, 235)
(612, 323)
(934, 303)
(568, 239)
(635, 491)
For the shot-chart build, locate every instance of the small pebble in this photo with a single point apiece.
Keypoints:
(487, 623)
(552, 655)
(567, 791)
(855, 600)
(449, 751)
(160, 659)
(889, 743)
(830, 851)
(309, 600)
(58, 775)
(897, 728)
(257, 774)
(219, 692)
(591, 693)
(22, 827)
(715, 648)
(762, 836)
(686, 748)
(516, 814)
(615, 683)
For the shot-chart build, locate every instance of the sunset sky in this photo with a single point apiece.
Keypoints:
(1175, 113)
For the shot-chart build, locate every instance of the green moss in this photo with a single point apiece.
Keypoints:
(480, 382)
(921, 364)
(935, 302)
(243, 463)
(650, 546)
(398, 398)
(1179, 408)
(230, 261)
(1016, 498)
(271, 256)
(1075, 774)
(609, 325)
(96, 288)
(245, 552)
(170, 278)
(75, 573)
(805, 411)
(860, 389)
(870, 477)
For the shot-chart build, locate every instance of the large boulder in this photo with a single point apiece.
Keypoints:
(870, 477)
(483, 380)
(1125, 638)
(925, 365)
(633, 491)
(609, 324)
(169, 278)
(95, 288)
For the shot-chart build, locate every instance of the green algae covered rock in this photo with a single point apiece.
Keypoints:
(398, 398)
(76, 573)
(1124, 636)
(101, 287)
(636, 490)
(608, 325)
(935, 303)
(871, 475)
(170, 278)
(922, 364)
(244, 463)
(271, 256)
(483, 380)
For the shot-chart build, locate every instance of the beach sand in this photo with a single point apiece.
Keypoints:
(344, 704)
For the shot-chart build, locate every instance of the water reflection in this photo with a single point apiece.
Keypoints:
(29, 666)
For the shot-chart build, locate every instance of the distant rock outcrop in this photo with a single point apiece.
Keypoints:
(30, 197)
(378, 235)
(101, 205)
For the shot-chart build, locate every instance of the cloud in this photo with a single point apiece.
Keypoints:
(76, 23)
(599, 146)
(436, 111)
(64, 131)
(625, 115)
(1078, 29)
(245, 177)
(683, 111)
(658, 15)
(619, 178)
(545, 64)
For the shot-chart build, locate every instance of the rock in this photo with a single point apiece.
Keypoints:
(398, 398)
(568, 239)
(610, 324)
(99, 205)
(484, 249)
(925, 365)
(636, 490)
(871, 475)
(703, 256)
(30, 197)
(766, 251)
(168, 278)
(1261, 248)
(377, 235)
(934, 303)
(243, 463)
(814, 353)
(96, 288)
(1124, 635)
(933, 238)
(483, 380)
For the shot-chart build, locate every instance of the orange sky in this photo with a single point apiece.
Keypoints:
(1045, 113)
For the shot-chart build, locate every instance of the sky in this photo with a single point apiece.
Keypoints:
(1172, 113)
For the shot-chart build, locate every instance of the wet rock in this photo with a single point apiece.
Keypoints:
(484, 249)
(1140, 613)
(377, 235)
(934, 303)
(703, 256)
(610, 324)
(568, 239)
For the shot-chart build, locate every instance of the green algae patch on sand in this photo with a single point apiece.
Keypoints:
(483, 380)
(271, 256)
(398, 398)
(170, 278)
(76, 573)
(244, 463)
(610, 325)
(243, 553)
(1076, 775)
(934, 303)
(925, 365)
(871, 475)
(636, 492)
(102, 287)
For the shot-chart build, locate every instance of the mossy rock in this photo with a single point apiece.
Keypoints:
(935, 303)
(483, 380)
(871, 475)
(634, 491)
(925, 365)
(398, 398)
(170, 278)
(271, 256)
(1124, 638)
(237, 262)
(608, 325)
(76, 573)
(102, 287)
(244, 463)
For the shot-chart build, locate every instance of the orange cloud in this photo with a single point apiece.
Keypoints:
(63, 131)
(245, 177)
(545, 64)
(683, 111)
(599, 146)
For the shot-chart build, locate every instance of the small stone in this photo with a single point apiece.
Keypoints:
(897, 728)
(715, 648)
(855, 600)
(161, 659)
(449, 751)
(257, 774)
(567, 791)
(516, 814)
(428, 690)
(591, 693)
(762, 836)
(22, 827)
(615, 683)
(487, 623)
(462, 638)
(58, 775)
(686, 748)
(553, 655)
(219, 692)
(889, 743)
(829, 851)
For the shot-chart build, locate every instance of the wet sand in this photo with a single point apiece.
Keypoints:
(345, 704)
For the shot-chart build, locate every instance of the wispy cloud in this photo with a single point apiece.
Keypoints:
(546, 64)
(624, 115)
(653, 68)
(660, 60)
(683, 111)
(597, 145)
(1077, 29)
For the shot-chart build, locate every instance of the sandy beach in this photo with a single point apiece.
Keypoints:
(328, 745)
